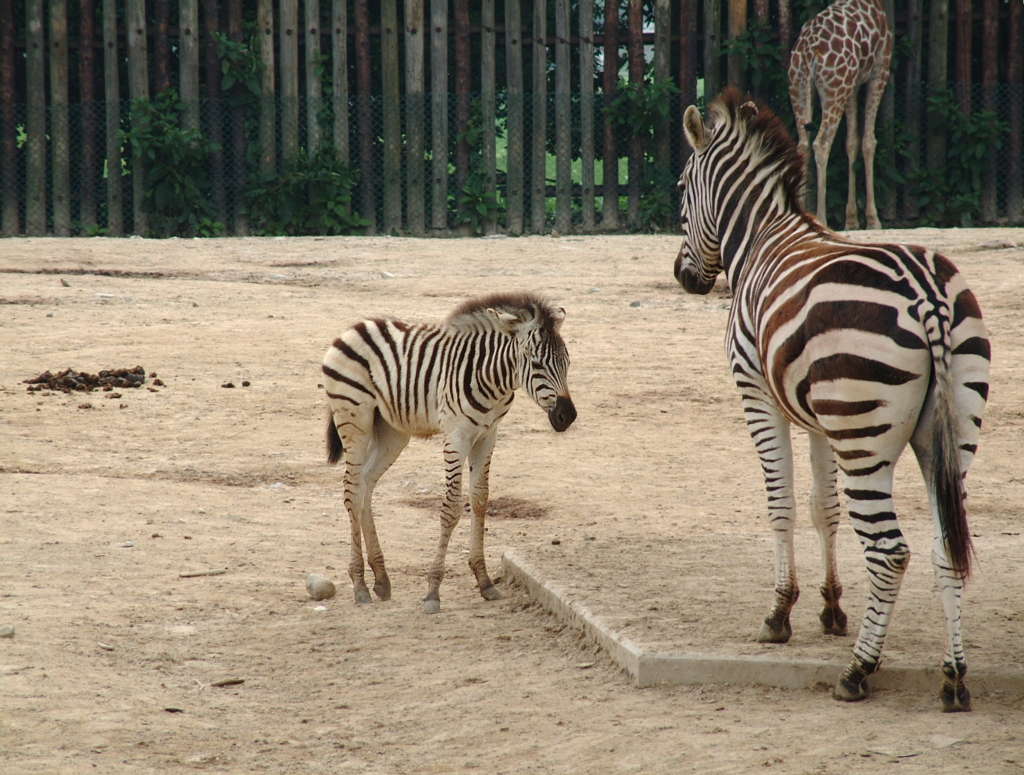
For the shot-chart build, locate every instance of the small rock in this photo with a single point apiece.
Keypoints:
(7, 631)
(636, 304)
(228, 385)
(319, 587)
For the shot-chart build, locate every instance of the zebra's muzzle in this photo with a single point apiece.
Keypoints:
(691, 280)
(562, 413)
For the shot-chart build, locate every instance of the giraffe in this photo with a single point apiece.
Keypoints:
(845, 46)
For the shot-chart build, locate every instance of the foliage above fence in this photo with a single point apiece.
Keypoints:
(451, 116)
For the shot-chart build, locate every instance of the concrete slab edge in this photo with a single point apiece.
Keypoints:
(647, 668)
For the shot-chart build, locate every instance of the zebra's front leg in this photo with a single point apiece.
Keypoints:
(825, 513)
(886, 556)
(479, 468)
(770, 432)
(451, 510)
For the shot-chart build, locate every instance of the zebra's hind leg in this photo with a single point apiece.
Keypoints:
(354, 428)
(385, 446)
(479, 468)
(886, 557)
(770, 432)
(451, 510)
(825, 513)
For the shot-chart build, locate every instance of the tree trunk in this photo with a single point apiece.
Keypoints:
(610, 83)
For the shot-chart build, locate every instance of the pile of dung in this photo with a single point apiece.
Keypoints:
(68, 380)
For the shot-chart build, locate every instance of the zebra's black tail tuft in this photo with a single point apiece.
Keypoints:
(334, 446)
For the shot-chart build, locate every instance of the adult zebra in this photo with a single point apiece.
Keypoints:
(866, 347)
(387, 381)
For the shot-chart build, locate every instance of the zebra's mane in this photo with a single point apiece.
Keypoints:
(777, 146)
(473, 314)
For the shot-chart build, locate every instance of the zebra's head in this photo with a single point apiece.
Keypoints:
(700, 256)
(543, 358)
(743, 162)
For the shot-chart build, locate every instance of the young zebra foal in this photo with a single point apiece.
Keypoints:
(865, 347)
(387, 381)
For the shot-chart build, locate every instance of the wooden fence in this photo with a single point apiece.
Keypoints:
(400, 83)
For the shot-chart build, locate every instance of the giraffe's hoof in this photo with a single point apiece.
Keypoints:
(773, 631)
(490, 592)
(431, 606)
(833, 621)
(362, 595)
(874, 223)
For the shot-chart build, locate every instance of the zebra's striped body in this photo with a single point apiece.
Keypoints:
(387, 381)
(866, 347)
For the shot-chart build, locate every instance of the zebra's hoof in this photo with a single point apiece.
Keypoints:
(431, 606)
(775, 632)
(955, 699)
(833, 621)
(362, 595)
(490, 593)
(850, 691)
(382, 589)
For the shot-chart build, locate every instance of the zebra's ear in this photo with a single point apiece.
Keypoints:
(557, 316)
(748, 110)
(506, 320)
(694, 129)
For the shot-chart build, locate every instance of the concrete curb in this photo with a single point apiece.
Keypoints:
(647, 668)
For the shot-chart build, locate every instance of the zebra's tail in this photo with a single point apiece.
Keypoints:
(947, 481)
(334, 446)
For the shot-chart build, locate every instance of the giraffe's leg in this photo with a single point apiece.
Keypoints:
(386, 445)
(831, 112)
(800, 98)
(355, 426)
(886, 554)
(852, 149)
(825, 512)
(455, 452)
(770, 432)
(479, 468)
(875, 90)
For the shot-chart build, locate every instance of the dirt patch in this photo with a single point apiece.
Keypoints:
(116, 523)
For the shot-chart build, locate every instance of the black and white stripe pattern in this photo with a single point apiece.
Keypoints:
(387, 381)
(866, 347)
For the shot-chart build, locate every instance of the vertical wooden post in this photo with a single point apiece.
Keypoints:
(112, 98)
(586, 52)
(216, 106)
(688, 68)
(288, 45)
(785, 30)
(161, 45)
(392, 115)
(989, 80)
(539, 124)
(463, 81)
(35, 125)
(938, 70)
(416, 115)
(237, 177)
(268, 100)
(737, 26)
(8, 145)
(487, 105)
(314, 94)
(1014, 151)
(514, 185)
(364, 113)
(610, 83)
(663, 72)
(563, 120)
(439, 113)
(339, 77)
(962, 54)
(138, 89)
(59, 135)
(89, 114)
(912, 105)
(712, 49)
(188, 62)
(636, 141)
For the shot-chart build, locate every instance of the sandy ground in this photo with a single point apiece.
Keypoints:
(650, 508)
